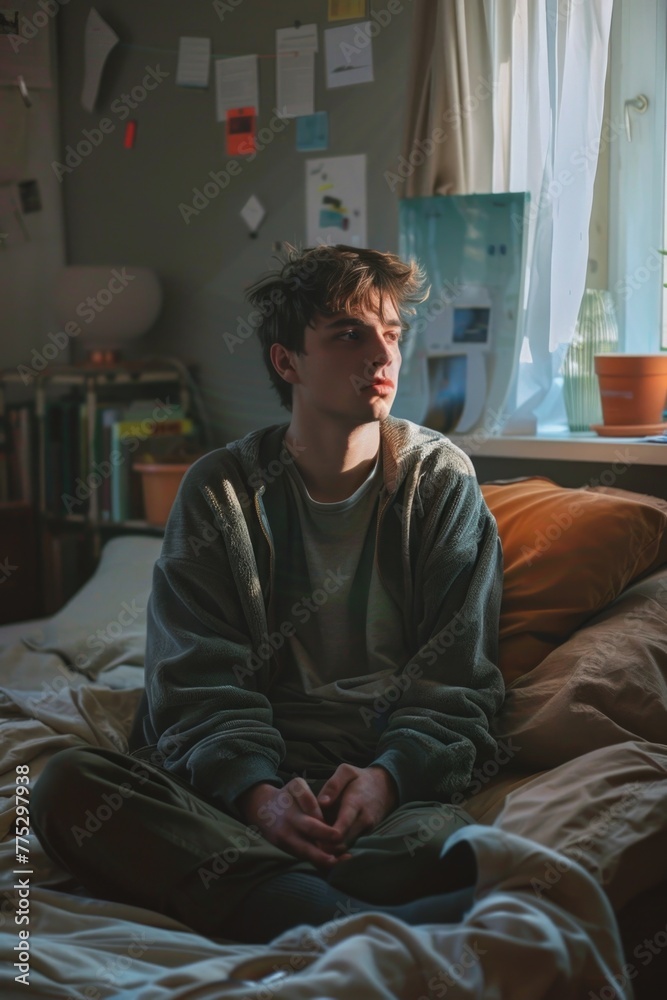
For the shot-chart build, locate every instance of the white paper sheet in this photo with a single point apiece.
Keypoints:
(336, 200)
(194, 62)
(349, 55)
(100, 39)
(236, 85)
(295, 70)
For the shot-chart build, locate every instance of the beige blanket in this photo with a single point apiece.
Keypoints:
(575, 803)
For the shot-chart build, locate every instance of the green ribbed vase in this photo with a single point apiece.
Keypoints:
(596, 333)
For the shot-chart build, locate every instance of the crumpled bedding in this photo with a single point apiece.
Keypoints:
(567, 824)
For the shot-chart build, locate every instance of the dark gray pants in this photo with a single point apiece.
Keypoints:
(129, 831)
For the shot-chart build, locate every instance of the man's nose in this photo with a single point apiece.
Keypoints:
(382, 353)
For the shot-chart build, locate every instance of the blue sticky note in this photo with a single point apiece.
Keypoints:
(312, 132)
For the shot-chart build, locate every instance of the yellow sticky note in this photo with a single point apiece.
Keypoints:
(346, 10)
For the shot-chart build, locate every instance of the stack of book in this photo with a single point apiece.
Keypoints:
(18, 473)
(87, 472)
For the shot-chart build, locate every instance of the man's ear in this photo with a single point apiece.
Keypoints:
(281, 358)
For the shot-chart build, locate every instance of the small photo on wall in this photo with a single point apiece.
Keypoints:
(9, 22)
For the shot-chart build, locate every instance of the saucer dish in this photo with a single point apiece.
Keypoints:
(628, 430)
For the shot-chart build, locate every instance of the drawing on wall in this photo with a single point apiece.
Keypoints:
(349, 55)
(336, 200)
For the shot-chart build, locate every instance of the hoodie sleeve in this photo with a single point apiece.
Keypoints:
(208, 710)
(453, 687)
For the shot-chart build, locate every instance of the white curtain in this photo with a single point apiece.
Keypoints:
(540, 130)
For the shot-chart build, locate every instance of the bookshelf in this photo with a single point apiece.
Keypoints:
(68, 441)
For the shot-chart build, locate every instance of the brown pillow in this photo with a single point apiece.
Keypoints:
(568, 553)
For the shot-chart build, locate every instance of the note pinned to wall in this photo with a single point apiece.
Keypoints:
(346, 10)
(194, 62)
(295, 70)
(349, 55)
(100, 39)
(236, 85)
(312, 132)
(336, 200)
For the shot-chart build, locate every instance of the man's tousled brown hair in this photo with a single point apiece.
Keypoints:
(327, 280)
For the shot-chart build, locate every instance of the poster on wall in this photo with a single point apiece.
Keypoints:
(336, 200)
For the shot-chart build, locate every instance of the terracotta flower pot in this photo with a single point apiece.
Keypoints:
(160, 484)
(633, 387)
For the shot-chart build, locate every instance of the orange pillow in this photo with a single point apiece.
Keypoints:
(568, 553)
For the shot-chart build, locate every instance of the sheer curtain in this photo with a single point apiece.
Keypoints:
(519, 86)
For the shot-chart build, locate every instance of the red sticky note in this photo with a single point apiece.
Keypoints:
(130, 134)
(241, 124)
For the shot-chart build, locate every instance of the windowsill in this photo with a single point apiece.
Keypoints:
(585, 446)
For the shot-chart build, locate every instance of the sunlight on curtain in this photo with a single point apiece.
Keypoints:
(520, 86)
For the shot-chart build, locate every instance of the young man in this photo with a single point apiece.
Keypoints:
(322, 640)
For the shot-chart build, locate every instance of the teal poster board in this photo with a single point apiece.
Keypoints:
(465, 340)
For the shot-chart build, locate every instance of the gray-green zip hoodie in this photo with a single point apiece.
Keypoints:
(209, 662)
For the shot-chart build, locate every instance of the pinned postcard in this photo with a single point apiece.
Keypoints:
(312, 132)
(295, 70)
(349, 55)
(336, 200)
(346, 10)
(100, 39)
(236, 85)
(194, 62)
(240, 131)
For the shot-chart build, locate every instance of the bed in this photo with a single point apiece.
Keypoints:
(570, 818)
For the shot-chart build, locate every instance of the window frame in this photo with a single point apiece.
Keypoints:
(637, 177)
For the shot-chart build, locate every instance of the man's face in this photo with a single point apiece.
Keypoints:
(345, 355)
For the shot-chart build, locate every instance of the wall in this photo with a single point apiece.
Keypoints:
(123, 206)
(28, 268)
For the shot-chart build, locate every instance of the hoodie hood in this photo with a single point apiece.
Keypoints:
(399, 440)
